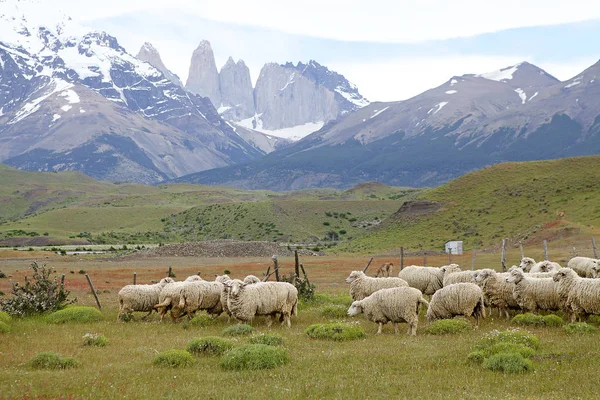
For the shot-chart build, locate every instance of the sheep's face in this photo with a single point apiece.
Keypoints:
(481, 276)
(165, 281)
(193, 278)
(236, 287)
(354, 275)
(222, 278)
(561, 274)
(355, 309)
(514, 277)
(526, 263)
(596, 269)
(448, 269)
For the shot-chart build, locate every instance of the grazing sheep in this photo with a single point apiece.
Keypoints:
(497, 292)
(252, 279)
(530, 274)
(263, 298)
(385, 270)
(400, 304)
(427, 279)
(202, 295)
(457, 299)
(577, 295)
(170, 296)
(583, 266)
(458, 277)
(362, 285)
(140, 297)
(596, 269)
(534, 294)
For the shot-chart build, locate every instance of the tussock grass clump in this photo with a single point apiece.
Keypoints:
(335, 331)
(336, 311)
(173, 358)
(445, 326)
(4, 317)
(254, 356)
(238, 330)
(509, 336)
(77, 314)
(594, 319)
(200, 321)
(270, 339)
(537, 320)
(94, 339)
(510, 363)
(502, 347)
(580, 327)
(209, 345)
(51, 360)
(4, 327)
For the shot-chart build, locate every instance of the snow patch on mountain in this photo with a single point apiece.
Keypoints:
(522, 95)
(376, 113)
(574, 83)
(437, 108)
(451, 91)
(501, 75)
(294, 133)
(55, 86)
(531, 98)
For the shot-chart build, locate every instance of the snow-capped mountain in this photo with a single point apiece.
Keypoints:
(73, 99)
(518, 113)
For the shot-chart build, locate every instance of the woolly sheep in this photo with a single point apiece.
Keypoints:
(497, 292)
(531, 274)
(457, 299)
(252, 279)
(263, 298)
(362, 285)
(385, 270)
(170, 296)
(202, 295)
(583, 266)
(534, 294)
(596, 269)
(458, 277)
(529, 265)
(427, 279)
(577, 295)
(400, 304)
(140, 297)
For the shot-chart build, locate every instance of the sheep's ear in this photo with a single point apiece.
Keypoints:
(216, 275)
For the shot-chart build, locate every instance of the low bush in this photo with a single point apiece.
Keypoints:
(4, 327)
(77, 314)
(238, 330)
(445, 326)
(508, 363)
(537, 320)
(4, 317)
(594, 319)
(580, 327)
(334, 311)
(501, 347)
(514, 336)
(254, 356)
(200, 321)
(94, 339)
(335, 331)
(209, 345)
(553, 320)
(173, 358)
(51, 360)
(270, 339)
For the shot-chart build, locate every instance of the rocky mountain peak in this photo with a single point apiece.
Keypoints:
(203, 78)
(150, 54)
(237, 98)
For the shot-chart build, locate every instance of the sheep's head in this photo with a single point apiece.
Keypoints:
(515, 276)
(596, 269)
(563, 273)
(193, 278)
(448, 269)
(165, 281)
(235, 286)
(483, 274)
(547, 266)
(527, 263)
(354, 275)
(222, 278)
(356, 308)
(250, 279)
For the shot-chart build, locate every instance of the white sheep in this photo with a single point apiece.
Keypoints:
(583, 266)
(170, 296)
(458, 277)
(400, 304)
(201, 295)
(264, 298)
(427, 279)
(362, 285)
(531, 274)
(577, 295)
(140, 297)
(534, 294)
(596, 269)
(529, 265)
(457, 299)
(385, 270)
(497, 292)
(252, 279)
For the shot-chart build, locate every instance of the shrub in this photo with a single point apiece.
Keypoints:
(4, 327)
(254, 356)
(335, 331)
(509, 336)
(200, 321)
(39, 295)
(75, 314)
(445, 326)
(51, 360)
(537, 320)
(268, 339)
(594, 319)
(334, 311)
(501, 347)
(4, 317)
(94, 339)
(238, 330)
(126, 317)
(209, 345)
(227, 272)
(173, 358)
(508, 363)
(2, 275)
(553, 320)
(82, 272)
(580, 327)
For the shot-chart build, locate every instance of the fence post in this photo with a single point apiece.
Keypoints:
(276, 267)
(93, 291)
(401, 258)
(365, 269)
(594, 247)
(574, 252)
(545, 250)
(424, 258)
(474, 257)
(297, 264)
(503, 259)
(62, 281)
(170, 273)
(135, 278)
(522, 252)
(450, 256)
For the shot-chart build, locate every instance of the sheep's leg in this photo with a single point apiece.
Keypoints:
(269, 321)
(380, 327)
(412, 329)
(396, 328)
(147, 315)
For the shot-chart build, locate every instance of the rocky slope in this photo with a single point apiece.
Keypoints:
(149, 54)
(203, 78)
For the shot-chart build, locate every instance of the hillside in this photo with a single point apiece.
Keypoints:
(528, 201)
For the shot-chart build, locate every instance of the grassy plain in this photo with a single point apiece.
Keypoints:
(423, 367)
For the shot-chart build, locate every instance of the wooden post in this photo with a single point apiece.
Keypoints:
(369, 263)
(134, 278)
(450, 256)
(170, 273)
(545, 250)
(296, 264)
(574, 252)
(93, 291)
(276, 267)
(267, 275)
(474, 257)
(305, 276)
(62, 281)
(401, 258)
(522, 252)
(503, 259)
(424, 258)
(594, 247)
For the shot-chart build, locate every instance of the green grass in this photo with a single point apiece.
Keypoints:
(446, 326)
(209, 345)
(530, 319)
(335, 331)
(238, 330)
(173, 359)
(51, 360)
(254, 357)
(510, 363)
(94, 340)
(200, 321)
(4, 327)
(269, 339)
(75, 314)
(580, 328)
(4, 317)
(334, 311)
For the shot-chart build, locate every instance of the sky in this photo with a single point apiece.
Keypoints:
(392, 50)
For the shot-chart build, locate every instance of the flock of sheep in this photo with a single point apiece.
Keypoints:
(529, 287)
